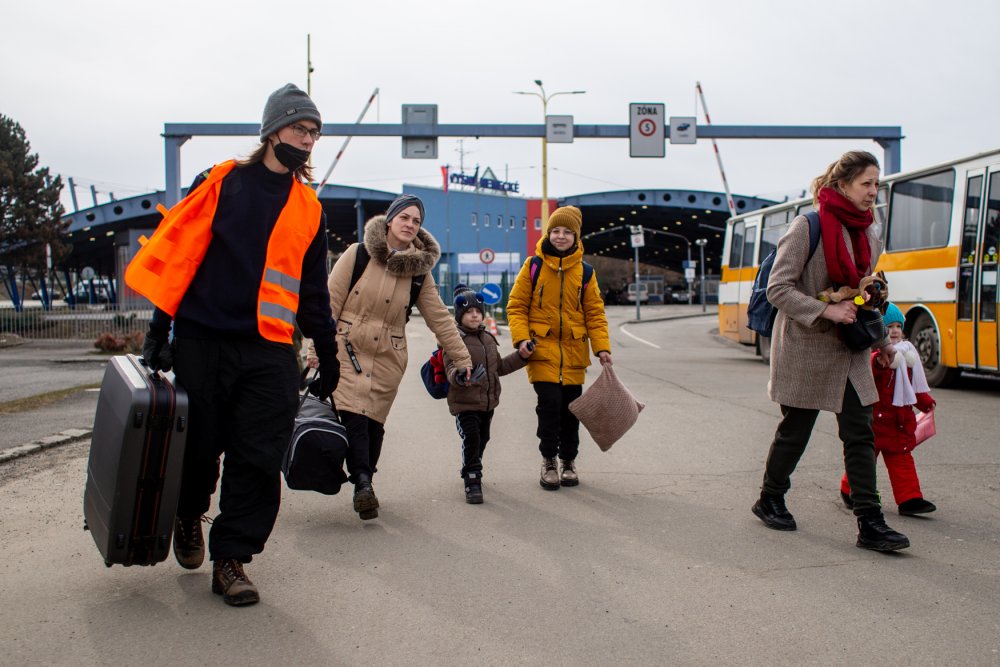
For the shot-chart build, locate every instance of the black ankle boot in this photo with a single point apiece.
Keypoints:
(915, 506)
(365, 501)
(874, 534)
(772, 511)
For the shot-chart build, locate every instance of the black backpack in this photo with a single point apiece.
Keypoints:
(760, 312)
(361, 261)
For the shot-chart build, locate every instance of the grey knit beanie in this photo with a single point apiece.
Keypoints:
(285, 106)
(401, 202)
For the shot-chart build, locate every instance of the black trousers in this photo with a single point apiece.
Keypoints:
(364, 444)
(855, 431)
(243, 396)
(558, 428)
(474, 429)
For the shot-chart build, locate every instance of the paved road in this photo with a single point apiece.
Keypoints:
(653, 559)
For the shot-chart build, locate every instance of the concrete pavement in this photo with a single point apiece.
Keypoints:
(653, 559)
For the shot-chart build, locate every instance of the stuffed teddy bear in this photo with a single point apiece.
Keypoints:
(872, 292)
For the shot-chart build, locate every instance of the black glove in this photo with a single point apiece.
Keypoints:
(329, 370)
(157, 351)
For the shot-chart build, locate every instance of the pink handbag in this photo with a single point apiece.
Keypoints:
(926, 428)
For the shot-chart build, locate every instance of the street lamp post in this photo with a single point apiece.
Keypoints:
(545, 144)
(701, 254)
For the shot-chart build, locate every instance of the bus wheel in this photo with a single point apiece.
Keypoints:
(764, 349)
(927, 340)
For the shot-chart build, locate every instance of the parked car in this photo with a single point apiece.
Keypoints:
(643, 292)
(101, 292)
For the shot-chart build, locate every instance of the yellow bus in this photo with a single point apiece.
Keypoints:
(941, 232)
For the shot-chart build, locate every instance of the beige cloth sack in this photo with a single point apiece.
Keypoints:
(607, 409)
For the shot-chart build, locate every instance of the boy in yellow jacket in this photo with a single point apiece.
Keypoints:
(552, 305)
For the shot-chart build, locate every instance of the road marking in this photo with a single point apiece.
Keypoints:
(626, 332)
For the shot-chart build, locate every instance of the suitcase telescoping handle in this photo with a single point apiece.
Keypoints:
(304, 383)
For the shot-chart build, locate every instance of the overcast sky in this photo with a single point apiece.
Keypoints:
(92, 83)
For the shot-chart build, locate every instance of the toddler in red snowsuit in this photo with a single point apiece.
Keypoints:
(901, 386)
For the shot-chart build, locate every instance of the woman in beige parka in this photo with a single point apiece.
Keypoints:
(371, 331)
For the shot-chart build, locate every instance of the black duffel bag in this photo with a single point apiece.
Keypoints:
(866, 330)
(315, 457)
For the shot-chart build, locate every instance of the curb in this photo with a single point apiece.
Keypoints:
(64, 438)
(672, 317)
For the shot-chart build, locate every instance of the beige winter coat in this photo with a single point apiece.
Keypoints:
(373, 318)
(810, 366)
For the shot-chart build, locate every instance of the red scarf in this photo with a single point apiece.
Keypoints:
(836, 212)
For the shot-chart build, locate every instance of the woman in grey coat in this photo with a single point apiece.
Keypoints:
(811, 368)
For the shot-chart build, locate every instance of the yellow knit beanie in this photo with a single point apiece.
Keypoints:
(569, 217)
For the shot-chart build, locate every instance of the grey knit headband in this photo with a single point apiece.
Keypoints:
(401, 202)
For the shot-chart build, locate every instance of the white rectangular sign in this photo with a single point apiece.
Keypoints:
(559, 129)
(683, 130)
(645, 129)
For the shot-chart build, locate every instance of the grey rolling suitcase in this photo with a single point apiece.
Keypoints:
(136, 459)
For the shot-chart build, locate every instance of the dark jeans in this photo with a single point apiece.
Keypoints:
(855, 431)
(558, 428)
(242, 396)
(474, 429)
(364, 438)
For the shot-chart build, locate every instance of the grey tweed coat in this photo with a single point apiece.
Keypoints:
(810, 366)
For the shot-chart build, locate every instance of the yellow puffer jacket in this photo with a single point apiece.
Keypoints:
(559, 316)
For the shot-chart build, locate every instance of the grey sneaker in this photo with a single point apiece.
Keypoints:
(231, 582)
(550, 474)
(568, 476)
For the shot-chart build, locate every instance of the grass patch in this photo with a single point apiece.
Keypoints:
(41, 400)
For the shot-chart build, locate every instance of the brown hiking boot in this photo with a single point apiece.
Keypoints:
(568, 476)
(189, 542)
(550, 474)
(231, 582)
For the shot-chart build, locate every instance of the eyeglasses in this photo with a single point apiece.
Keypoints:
(301, 131)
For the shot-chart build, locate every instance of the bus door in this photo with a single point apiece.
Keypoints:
(747, 273)
(731, 276)
(989, 263)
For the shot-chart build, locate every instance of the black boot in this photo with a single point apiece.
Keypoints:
(474, 489)
(874, 534)
(772, 511)
(915, 506)
(365, 502)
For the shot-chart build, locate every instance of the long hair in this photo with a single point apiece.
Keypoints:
(850, 165)
(303, 173)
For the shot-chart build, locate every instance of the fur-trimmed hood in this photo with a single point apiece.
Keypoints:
(422, 255)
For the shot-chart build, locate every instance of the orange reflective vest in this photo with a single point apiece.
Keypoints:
(166, 264)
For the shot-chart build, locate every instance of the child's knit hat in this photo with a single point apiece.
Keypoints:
(465, 299)
(569, 217)
(893, 315)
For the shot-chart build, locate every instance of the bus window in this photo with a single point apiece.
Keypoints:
(967, 258)
(920, 214)
(989, 249)
(881, 202)
(749, 245)
(736, 246)
(775, 225)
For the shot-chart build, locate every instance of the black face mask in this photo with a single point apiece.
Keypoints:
(290, 157)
